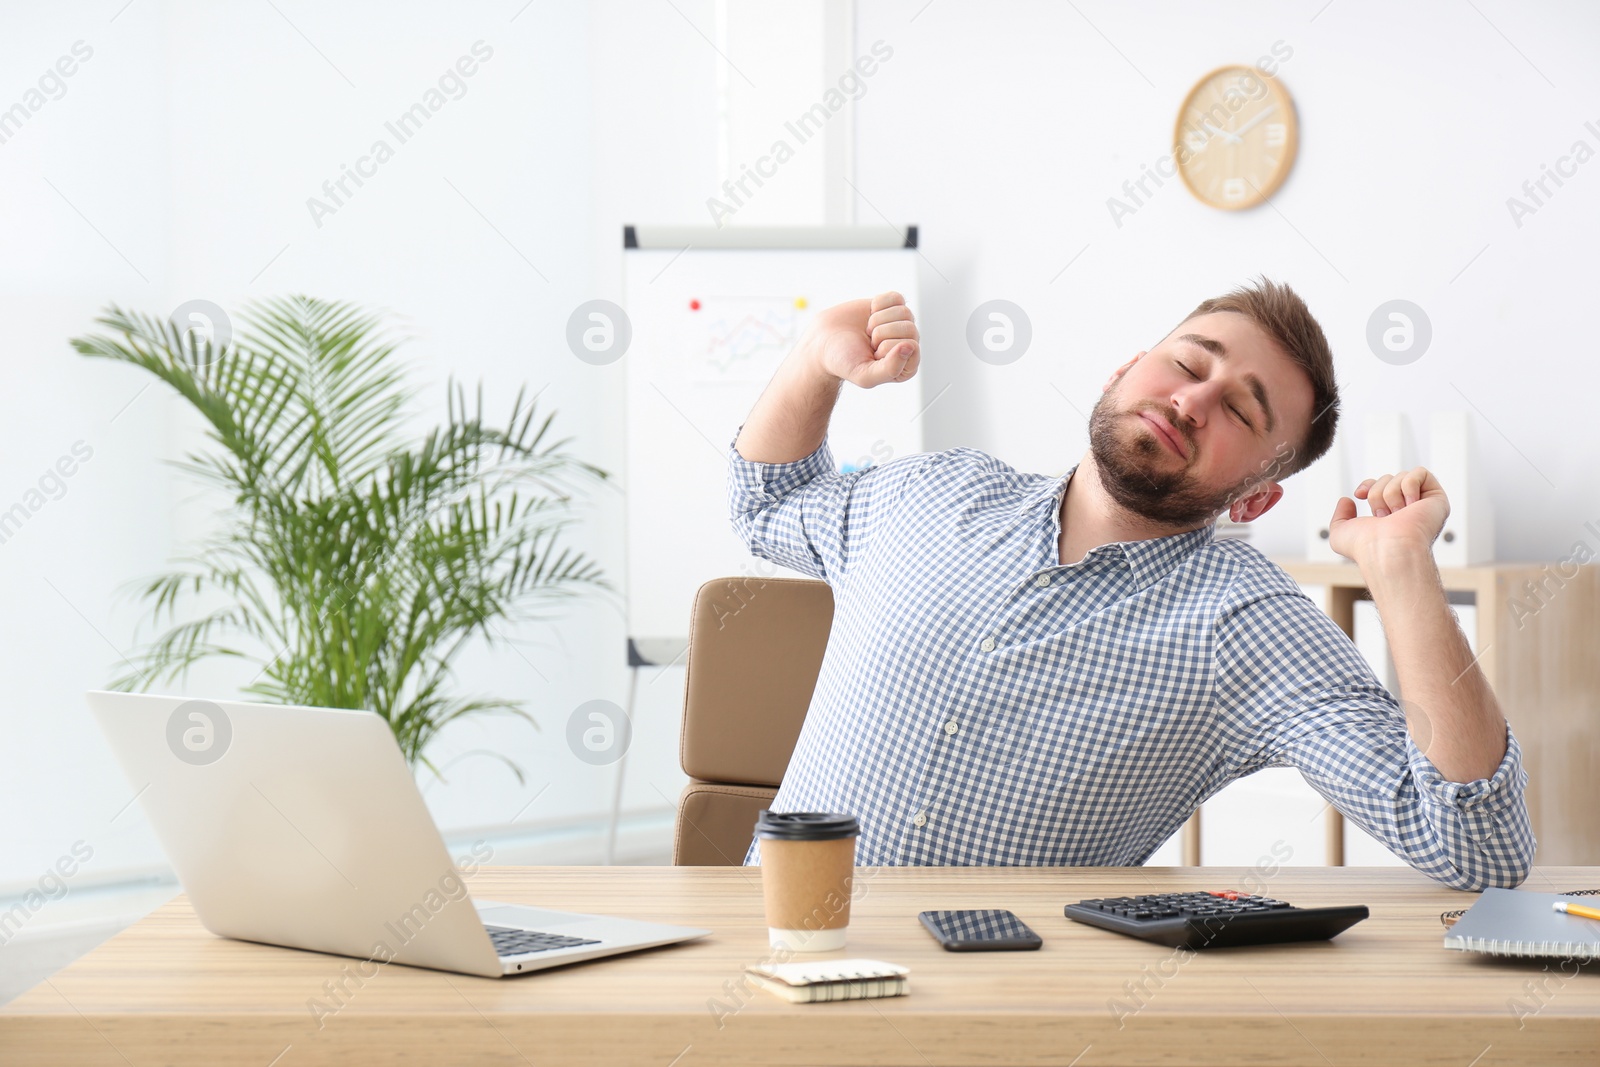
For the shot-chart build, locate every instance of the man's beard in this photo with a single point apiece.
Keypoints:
(1131, 473)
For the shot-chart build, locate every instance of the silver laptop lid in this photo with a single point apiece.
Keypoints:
(297, 826)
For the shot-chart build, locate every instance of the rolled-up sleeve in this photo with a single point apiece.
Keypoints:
(807, 515)
(1485, 819)
(1296, 686)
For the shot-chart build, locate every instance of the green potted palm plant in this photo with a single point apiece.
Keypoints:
(354, 562)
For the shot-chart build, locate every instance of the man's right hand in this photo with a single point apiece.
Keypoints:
(867, 342)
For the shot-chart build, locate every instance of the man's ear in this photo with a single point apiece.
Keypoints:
(1252, 507)
(1119, 372)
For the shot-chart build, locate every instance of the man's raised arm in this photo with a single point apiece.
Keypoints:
(785, 500)
(867, 342)
(1470, 778)
(1452, 708)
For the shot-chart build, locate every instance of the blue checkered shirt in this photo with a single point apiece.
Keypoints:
(981, 703)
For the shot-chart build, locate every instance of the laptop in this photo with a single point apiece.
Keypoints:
(303, 827)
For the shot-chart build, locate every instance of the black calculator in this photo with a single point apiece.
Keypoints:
(1217, 919)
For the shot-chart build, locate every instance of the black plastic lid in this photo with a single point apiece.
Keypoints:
(805, 825)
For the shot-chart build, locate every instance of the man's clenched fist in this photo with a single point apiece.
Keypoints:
(867, 342)
(1408, 512)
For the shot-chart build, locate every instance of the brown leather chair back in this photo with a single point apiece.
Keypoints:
(755, 648)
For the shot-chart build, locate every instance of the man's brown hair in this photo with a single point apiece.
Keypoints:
(1284, 317)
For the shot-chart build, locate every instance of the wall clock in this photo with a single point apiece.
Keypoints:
(1236, 137)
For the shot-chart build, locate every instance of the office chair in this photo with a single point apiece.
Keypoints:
(755, 648)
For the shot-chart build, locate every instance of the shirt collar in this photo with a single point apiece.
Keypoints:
(1149, 560)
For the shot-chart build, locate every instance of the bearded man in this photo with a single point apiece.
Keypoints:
(1040, 670)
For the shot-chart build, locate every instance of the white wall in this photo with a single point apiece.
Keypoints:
(193, 139)
(194, 136)
(86, 222)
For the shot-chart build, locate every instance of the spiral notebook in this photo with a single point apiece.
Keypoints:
(824, 980)
(1510, 922)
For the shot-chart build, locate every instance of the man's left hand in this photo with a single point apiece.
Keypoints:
(1408, 511)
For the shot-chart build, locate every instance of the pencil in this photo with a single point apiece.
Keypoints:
(1576, 909)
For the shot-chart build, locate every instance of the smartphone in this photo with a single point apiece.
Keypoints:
(992, 930)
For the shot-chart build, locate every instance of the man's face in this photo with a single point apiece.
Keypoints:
(1200, 422)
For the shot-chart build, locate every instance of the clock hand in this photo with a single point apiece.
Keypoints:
(1269, 110)
(1224, 134)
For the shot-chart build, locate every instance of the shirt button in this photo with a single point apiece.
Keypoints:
(988, 644)
(920, 819)
(951, 727)
(1042, 581)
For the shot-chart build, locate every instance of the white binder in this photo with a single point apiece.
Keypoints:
(1468, 535)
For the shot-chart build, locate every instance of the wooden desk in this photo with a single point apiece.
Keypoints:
(1385, 992)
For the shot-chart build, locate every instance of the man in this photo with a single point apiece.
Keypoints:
(1058, 671)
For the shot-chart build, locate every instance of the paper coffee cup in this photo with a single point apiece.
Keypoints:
(808, 862)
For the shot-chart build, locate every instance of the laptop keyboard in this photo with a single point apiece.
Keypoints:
(509, 941)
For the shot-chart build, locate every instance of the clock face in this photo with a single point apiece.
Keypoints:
(1236, 137)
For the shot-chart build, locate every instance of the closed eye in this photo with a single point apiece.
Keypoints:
(1237, 413)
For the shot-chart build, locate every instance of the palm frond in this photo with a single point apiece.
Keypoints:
(354, 564)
